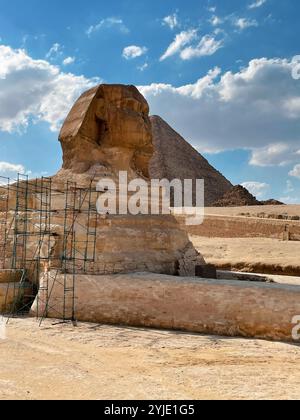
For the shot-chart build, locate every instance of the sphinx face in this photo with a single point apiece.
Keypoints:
(108, 125)
(123, 118)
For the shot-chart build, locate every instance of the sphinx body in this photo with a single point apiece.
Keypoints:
(67, 243)
(108, 130)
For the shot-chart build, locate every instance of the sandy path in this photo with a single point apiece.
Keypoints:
(102, 362)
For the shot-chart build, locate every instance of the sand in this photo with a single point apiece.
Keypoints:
(259, 255)
(290, 210)
(103, 362)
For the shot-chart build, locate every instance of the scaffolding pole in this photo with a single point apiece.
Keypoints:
(27, 238)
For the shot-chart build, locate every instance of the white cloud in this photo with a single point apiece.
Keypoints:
(242, 110)
(171, 21)
(207, 46)
(6, 167)
(289, 187)
(272, 155)
(295, 172)
(54, 52)
(69, 60)
(9, 172)
(185, 44)
(256, 4)
(216, 20)
(243, 23)
(290, 199)
(258, 189)
(292, 106)
(35, 89)
(219, 31)
(143, 67)
(180, 41)
(108, 23)
(133, 51)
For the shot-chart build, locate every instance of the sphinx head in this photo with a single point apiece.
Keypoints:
(108, 125)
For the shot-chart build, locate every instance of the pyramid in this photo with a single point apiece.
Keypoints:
(175, 158)
(238, 196)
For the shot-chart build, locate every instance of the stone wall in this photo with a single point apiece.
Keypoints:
(9, 289)
(230, 308)
(10, 276)
(242, 227)
(7, 296)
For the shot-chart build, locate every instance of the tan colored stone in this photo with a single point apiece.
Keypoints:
(231, 308)
(108, 127)
(10, 290)
(108, 130)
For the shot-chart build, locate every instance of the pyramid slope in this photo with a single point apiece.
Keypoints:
(176, 158)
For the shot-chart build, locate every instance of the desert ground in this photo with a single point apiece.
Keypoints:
(90, 361)
(256, 254)
(290, 210)
(103, 362)
(259, 255)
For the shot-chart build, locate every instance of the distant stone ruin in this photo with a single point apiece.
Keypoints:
(237, 196)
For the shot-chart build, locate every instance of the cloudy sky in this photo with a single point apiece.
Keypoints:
(222, 73)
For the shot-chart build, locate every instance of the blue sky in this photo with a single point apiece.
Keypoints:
(220, 72)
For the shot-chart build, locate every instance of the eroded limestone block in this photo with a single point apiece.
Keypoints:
(231, 308)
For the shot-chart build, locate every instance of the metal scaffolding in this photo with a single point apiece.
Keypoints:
(4, 222)
(28, 236)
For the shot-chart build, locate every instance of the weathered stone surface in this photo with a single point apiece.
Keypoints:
(108, 127)
(238, 196)
(272, 202)
(7, 296)
(10, 290)
(8, 276)
(218, 226)
(107, 131)
(174, 158)
(231, 308)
